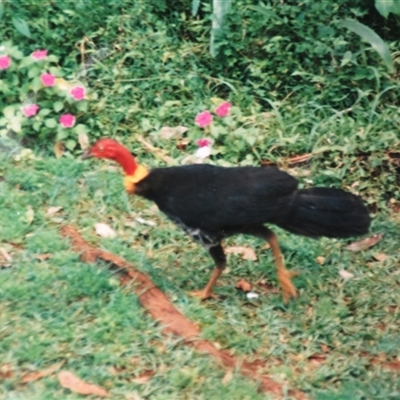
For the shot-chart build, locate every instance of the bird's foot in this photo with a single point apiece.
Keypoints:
(203, 294)
(284, 278)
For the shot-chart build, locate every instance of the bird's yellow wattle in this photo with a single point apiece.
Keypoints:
(131, 180)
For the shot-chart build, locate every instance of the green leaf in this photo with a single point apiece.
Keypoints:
(50, 123)
(52, 58)
(37, 125)
(9, 112)
(15, 124)
(62, 133)
(58, 106)
(34, 71)
(385, 7)
(21, 26)
(36, 84)
(250, 140)
(1, 10)
(346, 58)
(70, 144)
(81, 129)
(372, 38)
(195, 7)
(82, 105)
(44, 111)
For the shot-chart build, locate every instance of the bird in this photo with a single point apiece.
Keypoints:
(211, 203)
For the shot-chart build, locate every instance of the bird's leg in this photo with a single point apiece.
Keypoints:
(284, 276)
(218, 255)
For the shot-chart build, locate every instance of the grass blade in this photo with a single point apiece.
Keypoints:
(372, 38)
(195, 7)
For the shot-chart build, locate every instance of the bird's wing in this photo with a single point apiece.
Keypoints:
(215, 198)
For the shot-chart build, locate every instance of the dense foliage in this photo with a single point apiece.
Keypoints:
(299, 82)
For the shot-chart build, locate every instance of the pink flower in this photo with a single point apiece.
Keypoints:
(203, 142)
(30, 110)
(223, 109)
(78, 92)
(203, 119)
(67, 120)
(5, 62)
(48, 79)
(39, 54)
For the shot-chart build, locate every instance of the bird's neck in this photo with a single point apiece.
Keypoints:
(125, 159)
(134, 173)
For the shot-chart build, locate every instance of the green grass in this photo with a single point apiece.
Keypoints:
(61, 309)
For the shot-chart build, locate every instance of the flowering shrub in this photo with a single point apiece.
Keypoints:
(38, 102)
(227, 132)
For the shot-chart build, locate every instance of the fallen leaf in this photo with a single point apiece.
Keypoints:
(345, 274)
(227, 377)
(35, 375)
(6, 371)
(59, 149)
(317, 357)
(130, 223)
(145, 221)
(69, 381)
(365, 243)
(6, 255)
(43, 257)
(300, 159)
(83, 140)
(53, 210)
(182, 144)
(244, 285)
(143, 378)
(393, 365)
(320, 260)
(104, 230)
(168, 132)
(247, 253)
(325, 348)
(380, 257)
(252, 295)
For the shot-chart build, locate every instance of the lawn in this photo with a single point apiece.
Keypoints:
(338, 340)
(146, 68)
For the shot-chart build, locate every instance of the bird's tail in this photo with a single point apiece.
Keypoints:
(326, 212)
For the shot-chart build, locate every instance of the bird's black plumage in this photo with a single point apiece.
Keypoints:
(221, 201)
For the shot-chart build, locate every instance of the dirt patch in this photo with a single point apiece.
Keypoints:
(173, 321)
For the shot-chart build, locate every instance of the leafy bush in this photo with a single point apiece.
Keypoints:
(298, 81)
(39, 103)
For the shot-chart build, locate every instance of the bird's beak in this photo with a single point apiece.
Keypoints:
(87, 154)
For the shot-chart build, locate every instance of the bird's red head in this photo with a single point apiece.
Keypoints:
(111, 149)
